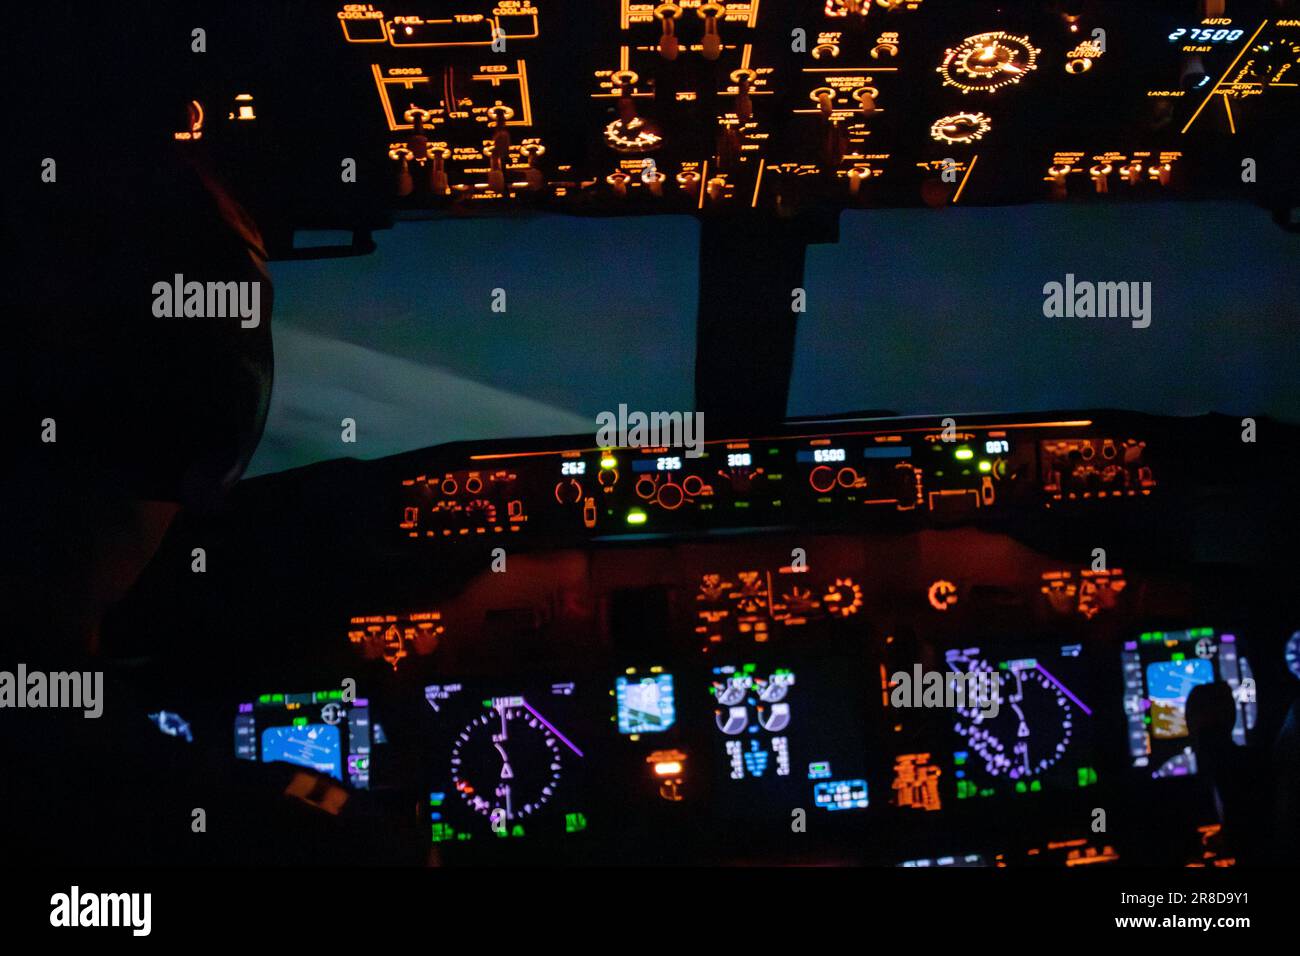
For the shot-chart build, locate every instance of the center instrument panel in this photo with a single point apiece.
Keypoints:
(720, 106)
(754, 654)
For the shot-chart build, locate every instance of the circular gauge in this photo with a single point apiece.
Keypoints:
(733, 692)
(843, 598)
(506, 763)
(987, 62)
(1030, 730)
(635, 135)
(1293, 654)
(960, 128)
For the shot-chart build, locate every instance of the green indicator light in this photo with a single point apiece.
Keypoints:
(574, 822)
(300, 721)
(986, 466)
(1036, 786)
(636, 516)
(518, 831)
(740, 504)
(277, 698)
(608, 462)
(1177, 656)
(1020, 786)
(264, 699)
(959, 761)
(487, 703)
(1087, 776)
(986, 792)
(963, 454)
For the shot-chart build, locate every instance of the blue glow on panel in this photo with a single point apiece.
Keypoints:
(646, 704)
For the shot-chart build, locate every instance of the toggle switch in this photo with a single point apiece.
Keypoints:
(824, 97)
(405, 185)
(744, 104)
(857, 176)
(668, 45)
(653, 179)
(533, 175)
(619, 181)
(438, 156)
(711, 43)
(1131, 173)
(1059, 174)
(1162, 173)
(866, 97)
(1100, 174)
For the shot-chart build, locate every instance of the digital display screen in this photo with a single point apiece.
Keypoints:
(741, 459)
(666, 463)
(506, 762)
(792, 734)
(1160, 670)
(821, 456)
(1030, 730)
(645, 704)
(1206, 35)
(318, 730)
(573, 467)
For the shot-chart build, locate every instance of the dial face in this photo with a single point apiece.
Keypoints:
(987, 62)
(960, 128)
(636, 135)
(506, 763)
(1293, 654)
(1031, 729)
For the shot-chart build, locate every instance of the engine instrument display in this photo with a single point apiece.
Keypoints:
(1160, 670)
(793, 735)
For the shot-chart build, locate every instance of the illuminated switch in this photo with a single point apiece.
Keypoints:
(711, 43)
(668, 45)
(405, 185)
(589, 513)
(717, 186)
(884, 49)
(824, 97)
(533, 175)
(653, 179)
(438, 184)
(618, 180)
(866, 97)
(1162, 173)
(1132, 173)
(744, 104)
(857, 175)
(1100, 175)
(1057, 175)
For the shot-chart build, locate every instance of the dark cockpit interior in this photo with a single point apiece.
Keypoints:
(817, 432)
